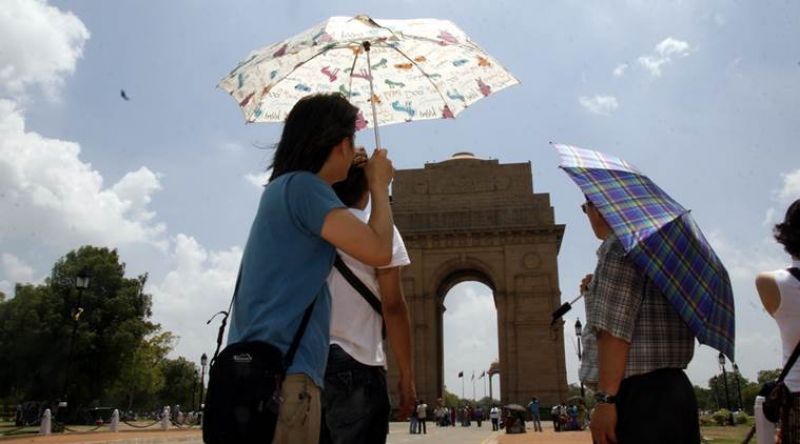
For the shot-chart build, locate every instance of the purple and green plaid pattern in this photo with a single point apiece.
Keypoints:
(662, 239)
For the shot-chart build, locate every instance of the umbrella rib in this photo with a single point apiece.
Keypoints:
(352, 68)
(427, 76)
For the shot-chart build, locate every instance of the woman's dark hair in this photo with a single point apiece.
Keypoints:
(313, 127)
(352, 189)
(787, 233)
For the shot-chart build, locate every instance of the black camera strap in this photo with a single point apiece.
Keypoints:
(288, 358)
(362, 289)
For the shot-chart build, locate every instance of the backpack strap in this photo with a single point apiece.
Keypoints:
(361, 288)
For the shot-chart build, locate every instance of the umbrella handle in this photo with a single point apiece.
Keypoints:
(563, 309)
(366, 46)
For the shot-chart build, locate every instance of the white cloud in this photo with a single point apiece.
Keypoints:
(619, 71)
(602, 105)
(15, 269)
(258, 180)
(45, 44)
(470, 337)
(663, 54)
(790, 191)
(199, 284)
(49, 194)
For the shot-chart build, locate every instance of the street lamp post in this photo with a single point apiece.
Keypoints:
(203, 362)
(738, 385)
(194, 391)
(579, 334)
(725, 379)
(81, 283)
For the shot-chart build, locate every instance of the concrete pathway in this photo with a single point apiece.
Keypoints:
(398, 435)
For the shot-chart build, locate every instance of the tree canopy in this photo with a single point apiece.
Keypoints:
(91, 346)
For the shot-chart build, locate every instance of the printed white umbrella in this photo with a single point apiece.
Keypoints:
(404, 70)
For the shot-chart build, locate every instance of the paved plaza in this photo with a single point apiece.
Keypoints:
(398, 435)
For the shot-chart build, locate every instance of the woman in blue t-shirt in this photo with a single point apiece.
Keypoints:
(291, 247)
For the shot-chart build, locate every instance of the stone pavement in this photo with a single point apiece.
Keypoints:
(398, 435)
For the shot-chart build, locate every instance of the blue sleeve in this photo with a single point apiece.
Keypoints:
(309, 200)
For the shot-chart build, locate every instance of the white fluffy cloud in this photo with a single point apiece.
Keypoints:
(790, 190)
(41, 44)
(49, 194)
(602, 105)
(258, 180)
(619, 71)
(470, 336)
(15, 269)
(663, 54)
(199, 284)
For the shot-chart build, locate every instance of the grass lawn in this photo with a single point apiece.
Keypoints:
(725, 435)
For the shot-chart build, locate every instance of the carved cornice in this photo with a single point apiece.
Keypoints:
(489, 237)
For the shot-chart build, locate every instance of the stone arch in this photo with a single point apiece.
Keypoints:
(459, 270)
(472, 219)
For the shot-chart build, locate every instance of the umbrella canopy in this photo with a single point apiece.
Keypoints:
(410, 70)
(515, 407)
(662, 239)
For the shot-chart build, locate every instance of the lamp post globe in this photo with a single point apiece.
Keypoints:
(82, 279)
(203, 362)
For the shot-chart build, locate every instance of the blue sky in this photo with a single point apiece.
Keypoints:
(702, 96)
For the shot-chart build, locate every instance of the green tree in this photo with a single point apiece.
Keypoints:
(717, 388)
(181, 381)
(765, 376)
(32, 347)
(109, 319)
(705, 399)
(142, 376)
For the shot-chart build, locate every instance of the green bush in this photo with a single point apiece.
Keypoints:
(721, 417)
(707, 420)
(740, 417)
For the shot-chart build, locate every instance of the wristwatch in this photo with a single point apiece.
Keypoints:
(604, 398)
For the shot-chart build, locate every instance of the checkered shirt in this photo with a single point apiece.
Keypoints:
(622, 301)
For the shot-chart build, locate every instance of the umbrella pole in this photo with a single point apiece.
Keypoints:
(371, 98)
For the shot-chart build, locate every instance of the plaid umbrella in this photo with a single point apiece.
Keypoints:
(662, 239)
(403, 70)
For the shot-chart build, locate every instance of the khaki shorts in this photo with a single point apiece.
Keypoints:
(299, 416)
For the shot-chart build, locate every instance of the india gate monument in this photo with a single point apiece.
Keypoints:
(470, 219)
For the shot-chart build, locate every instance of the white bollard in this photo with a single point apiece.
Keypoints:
(115, 421)
(765, 430)
(165, 418)
(46, 424)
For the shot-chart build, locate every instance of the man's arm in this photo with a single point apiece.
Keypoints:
(613, 357)
(398, 330)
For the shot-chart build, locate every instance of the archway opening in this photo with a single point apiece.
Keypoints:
(470, 342)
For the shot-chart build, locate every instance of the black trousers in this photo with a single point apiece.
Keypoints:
(657, 408)
(355, 402)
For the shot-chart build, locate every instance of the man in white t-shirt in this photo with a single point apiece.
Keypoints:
(356, 400)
